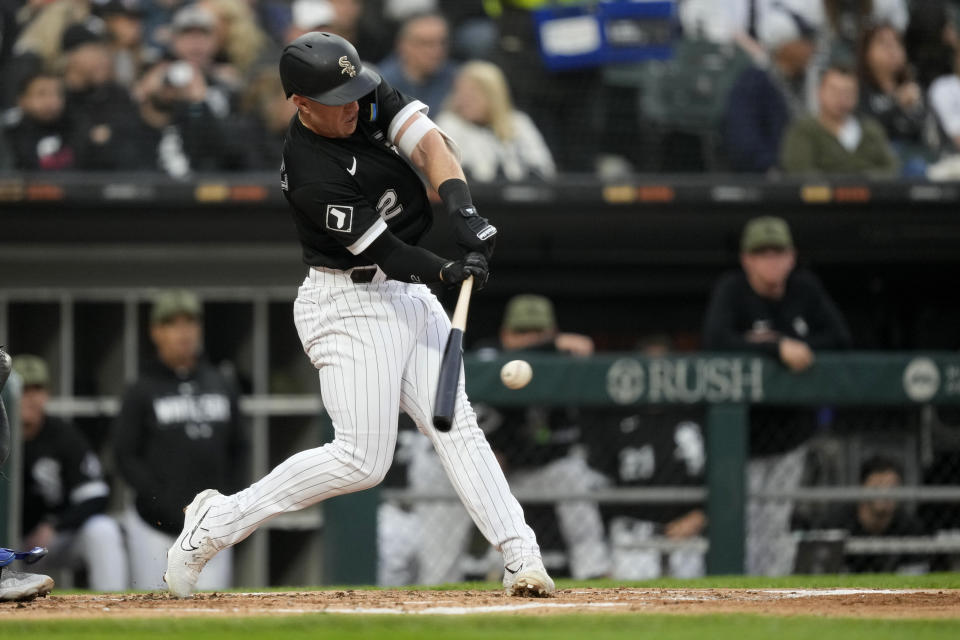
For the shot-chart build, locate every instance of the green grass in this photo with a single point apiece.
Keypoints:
(565, 627)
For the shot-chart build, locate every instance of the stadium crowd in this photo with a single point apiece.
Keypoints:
(759, 86)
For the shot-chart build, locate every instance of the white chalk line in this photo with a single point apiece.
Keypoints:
(815, 593)
(448, 611)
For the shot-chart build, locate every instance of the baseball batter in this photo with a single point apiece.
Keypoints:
(353, 160)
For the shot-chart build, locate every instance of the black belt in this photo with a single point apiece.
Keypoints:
(363, 276)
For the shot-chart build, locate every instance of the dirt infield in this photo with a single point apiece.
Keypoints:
(860, 603)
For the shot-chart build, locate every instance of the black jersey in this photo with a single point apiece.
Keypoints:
(649, 447)
(345, 192)
(62, 478)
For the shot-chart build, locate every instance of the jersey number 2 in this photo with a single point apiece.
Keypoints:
(387, 206)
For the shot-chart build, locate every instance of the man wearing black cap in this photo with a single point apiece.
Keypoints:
(353, 160)
(103, 110)
(179, 430)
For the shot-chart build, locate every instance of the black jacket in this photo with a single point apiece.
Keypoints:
(805, 313)
(62, 478)
(42, 146)
(106, 121)
(177, 436)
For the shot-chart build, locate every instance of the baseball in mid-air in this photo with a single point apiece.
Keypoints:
(516, 374)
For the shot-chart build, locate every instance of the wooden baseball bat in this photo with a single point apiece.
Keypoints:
(452, 358)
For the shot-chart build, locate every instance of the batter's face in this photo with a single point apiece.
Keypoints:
(328, 121)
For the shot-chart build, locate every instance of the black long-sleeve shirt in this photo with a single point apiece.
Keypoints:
(62, 478)
(177, 436)
(805, 312)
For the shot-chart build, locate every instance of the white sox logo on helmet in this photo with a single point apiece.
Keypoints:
(347, 67)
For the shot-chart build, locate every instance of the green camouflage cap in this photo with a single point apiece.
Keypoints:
(32, 370)
(529, 312)
(766, 232)
(175, 302)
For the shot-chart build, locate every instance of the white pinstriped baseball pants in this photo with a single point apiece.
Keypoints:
(378, 348)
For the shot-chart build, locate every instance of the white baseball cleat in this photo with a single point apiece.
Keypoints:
(193, 548)
(528, 579)
(16, 586)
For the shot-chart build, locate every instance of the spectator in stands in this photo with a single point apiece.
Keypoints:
(124, 24)
(770, 307)
(889, 94)
(880, 517)
(651, 446)
(40, 135)
(742, 22)
(194, 41)
(496, 141)
(266, 116)
(65, 494)
(157, 18)
(844, 22)
(568, 119)
(420, 66)
(363, 26)
(473, 32)
(179, 430)
(837, 141)
(764, 99)
(849, 19)
(309, 15)
(102, 109)
(931, 39)
(945, 100)
(44, 24)
(240, 42)
(178, 132)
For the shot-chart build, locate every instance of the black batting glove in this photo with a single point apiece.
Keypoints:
(473, 264)
(471, 231)
(474, 232)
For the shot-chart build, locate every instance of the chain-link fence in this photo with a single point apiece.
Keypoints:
(622, 492)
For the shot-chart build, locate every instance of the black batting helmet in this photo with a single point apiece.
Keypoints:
(326, 68)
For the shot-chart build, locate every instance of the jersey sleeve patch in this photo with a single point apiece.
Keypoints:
(339, 218)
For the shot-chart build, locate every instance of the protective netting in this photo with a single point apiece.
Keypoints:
(621, 492)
